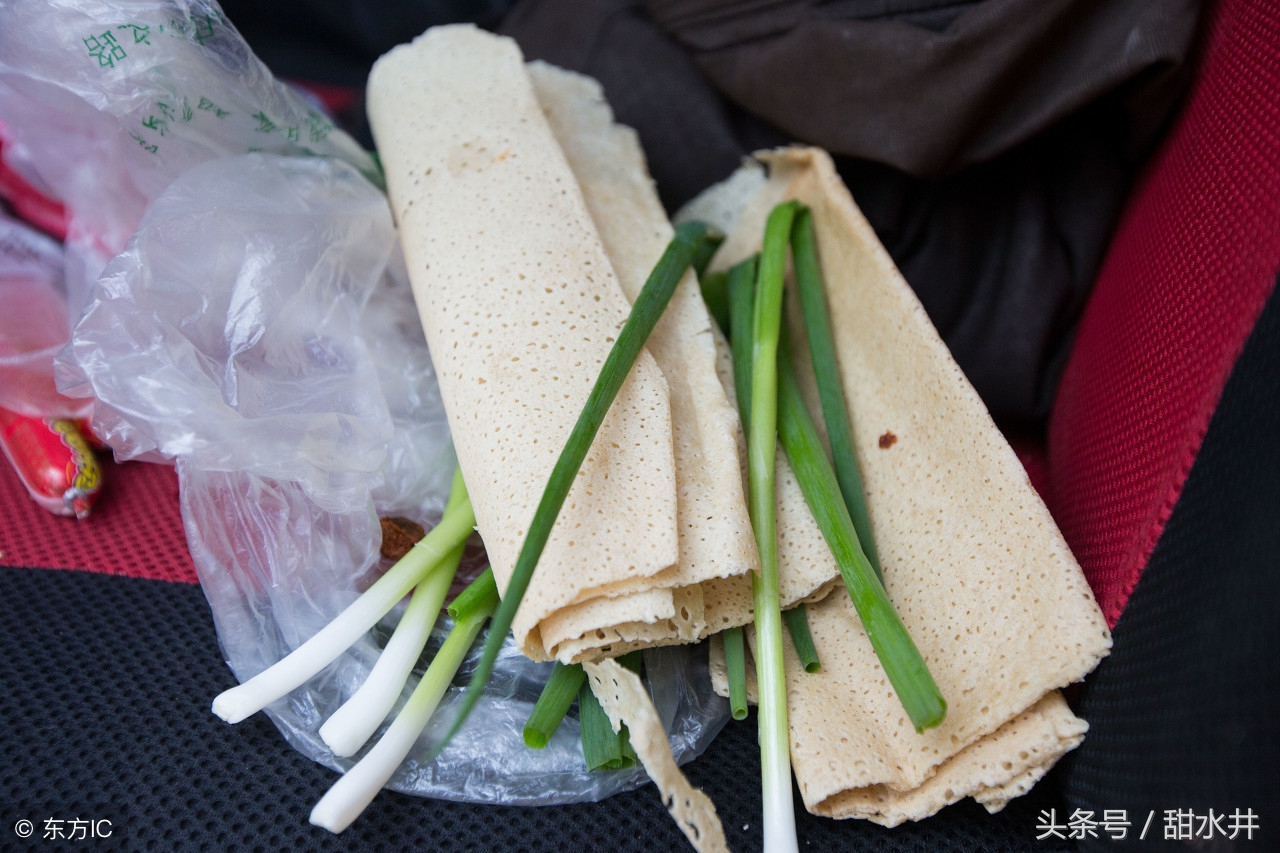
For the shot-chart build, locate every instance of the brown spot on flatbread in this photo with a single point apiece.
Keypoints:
(888, 440)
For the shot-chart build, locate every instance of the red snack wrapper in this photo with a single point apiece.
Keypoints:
(54, 461)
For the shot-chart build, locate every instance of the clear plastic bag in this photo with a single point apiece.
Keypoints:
(259, 330)
(33, 324)
(105, 102)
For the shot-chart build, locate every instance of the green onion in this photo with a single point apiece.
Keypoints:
(741, 288)
(474, 597)
(351, 624)
(902, 662)
(835, 410)
(359, 717)
(553, 703)
(646, 311)
(797, 619)
(893, 646)
(762, 443)
(706, 251)
(735, 663)
(602, 747)
(715, 293)
(358, 786)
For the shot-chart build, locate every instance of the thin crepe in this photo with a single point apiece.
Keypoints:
(972, 560)
(717, 545)
(518, 295)
(714, 528)
(520, 306)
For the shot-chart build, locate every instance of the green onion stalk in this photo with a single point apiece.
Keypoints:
(797, 619)
(358, 718)
(762, 442)
(739, 287)
(684, 248)
(553, 703)
(835, 409)
(349, 796)
(324, 647)
(901, 660)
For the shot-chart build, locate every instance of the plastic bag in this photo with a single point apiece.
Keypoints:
(105, 102)
(259, 330)
(33, 324)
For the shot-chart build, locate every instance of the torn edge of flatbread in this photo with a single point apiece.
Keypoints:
(625, 700)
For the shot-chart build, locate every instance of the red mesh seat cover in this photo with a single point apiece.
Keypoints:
(1187, 274)
(135, 529)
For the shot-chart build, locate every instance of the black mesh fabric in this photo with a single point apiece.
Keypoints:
(104, 715)
(1182, 712)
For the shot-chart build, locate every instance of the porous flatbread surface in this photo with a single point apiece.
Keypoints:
(520, 306)
(710, 583)
(529, 222)
(715, 534)
(972, 560)
(992, 770)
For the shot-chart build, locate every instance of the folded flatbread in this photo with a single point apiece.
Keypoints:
(528, 222)
(717, 545)
(972, 560)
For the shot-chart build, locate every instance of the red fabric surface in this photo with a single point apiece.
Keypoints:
(135, 529)
(1184, 281)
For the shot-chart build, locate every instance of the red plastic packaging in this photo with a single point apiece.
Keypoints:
(54, 461)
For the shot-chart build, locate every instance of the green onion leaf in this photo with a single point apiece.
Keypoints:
(645, 312)
(735, 662)
(602, 747)
(902, 662)
(835, 409)
(475, 597)
(553, 703)
(706, 251)
(715, 293)
(741, 287)
(797, 619)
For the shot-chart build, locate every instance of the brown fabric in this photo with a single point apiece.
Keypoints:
(1002, 252)
(650, 80)
(925, 86)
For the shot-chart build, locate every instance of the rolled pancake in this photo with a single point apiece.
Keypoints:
(972, 560)
(533, 158)
(520, 306)
(717, 546)
(715, 534)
